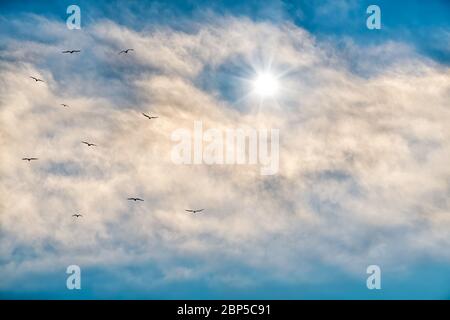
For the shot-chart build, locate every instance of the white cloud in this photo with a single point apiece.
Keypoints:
(364, 175)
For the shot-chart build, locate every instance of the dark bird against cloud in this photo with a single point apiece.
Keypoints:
(76, 215)
(135, 199)
(29, 159)
(194, 210)
(71, 51)
(36, 79)
(150, 117)
(89, 144)
(126, 51)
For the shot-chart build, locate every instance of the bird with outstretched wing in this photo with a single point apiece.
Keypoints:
(126, 51)
(36, 79)
(89, 144)
(194, 210)
(71, 51)
(149, 117)
(135, 199)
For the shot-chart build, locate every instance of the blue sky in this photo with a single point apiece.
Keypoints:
(408, 21)
(363, 119)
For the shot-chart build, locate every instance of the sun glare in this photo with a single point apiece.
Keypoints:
(265, 85)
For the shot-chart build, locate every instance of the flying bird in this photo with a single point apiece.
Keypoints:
(150, 117)
(194, 211)
(36, 79)
(71, 51)
(29, 159)
(126, 51)
(64, 105)
(89, 144)
(76, 215)
(135, 199)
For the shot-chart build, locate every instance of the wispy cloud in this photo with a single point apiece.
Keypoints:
(364, 173)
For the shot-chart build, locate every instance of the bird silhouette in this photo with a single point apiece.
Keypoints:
(64, 105)
(126, 51)
(36, 79)
(135, 199)
(194, 211)
(71, 51)
(29, 159)
(89, 144)
(150, 117)
(76, 215)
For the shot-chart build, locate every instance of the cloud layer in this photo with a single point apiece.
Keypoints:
(364, 152)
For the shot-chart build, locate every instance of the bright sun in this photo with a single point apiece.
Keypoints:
(265, 85)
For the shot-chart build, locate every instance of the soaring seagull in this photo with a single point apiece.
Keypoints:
(126, 51)
(64, 105)
(194, 211)
(36, 79)
(135, 199)
(150, 117)
(76, 215)
(71, 51)
(29, 159)
(88, 144)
